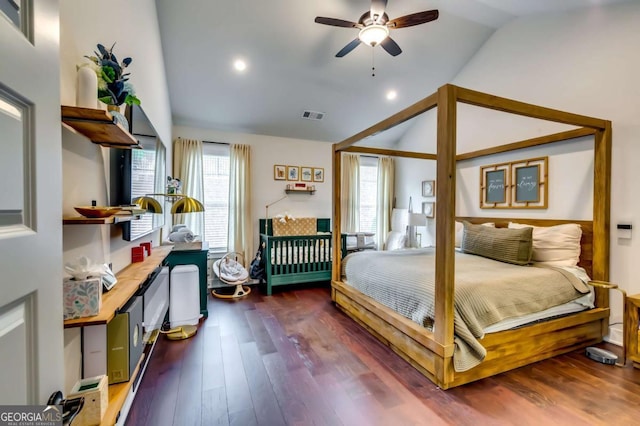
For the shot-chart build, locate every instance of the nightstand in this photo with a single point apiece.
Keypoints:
(633, 333)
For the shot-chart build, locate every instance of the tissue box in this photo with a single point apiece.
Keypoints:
(82, 298)
(96, 398)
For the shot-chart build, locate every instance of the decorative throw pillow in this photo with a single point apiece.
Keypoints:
(503, 244)
(460, 229)
(395, 240)
(557, 245)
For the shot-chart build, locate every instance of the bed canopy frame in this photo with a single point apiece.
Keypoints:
(432, 352)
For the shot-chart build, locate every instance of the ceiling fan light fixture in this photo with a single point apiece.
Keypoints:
(373, 34)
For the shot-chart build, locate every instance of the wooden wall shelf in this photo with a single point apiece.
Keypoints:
(99, 126)
(109, 220)
(129, 281)
(300, 191)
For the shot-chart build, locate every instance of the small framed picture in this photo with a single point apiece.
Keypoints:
(318, 174)
(428, 209)
(279, 172)
(306, 174)
(293, 173)
(428, 188)
(494, 186)
(529, 183)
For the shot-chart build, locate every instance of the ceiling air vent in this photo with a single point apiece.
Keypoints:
(313, 115)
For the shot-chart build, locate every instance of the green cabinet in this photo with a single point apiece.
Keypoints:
(185, 255)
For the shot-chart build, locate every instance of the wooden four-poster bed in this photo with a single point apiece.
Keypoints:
(432, 352)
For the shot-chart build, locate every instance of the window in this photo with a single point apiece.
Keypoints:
(368, 193)
(143, 168)
(216, 195)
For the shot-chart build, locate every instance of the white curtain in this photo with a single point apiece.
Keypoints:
(386, 179)
(350, 192)
(240, 223)
(160, 181)
(187, 166)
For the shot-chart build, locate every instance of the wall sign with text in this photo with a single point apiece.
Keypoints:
(494, 185)
(515, 185)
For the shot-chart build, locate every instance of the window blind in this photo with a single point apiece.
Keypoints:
(368, 193)
(216, 195)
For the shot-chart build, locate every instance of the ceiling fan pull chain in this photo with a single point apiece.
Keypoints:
(373, 63)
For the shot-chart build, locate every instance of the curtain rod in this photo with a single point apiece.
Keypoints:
(218, 143)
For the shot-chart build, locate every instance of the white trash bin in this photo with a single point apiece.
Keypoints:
(184, 298)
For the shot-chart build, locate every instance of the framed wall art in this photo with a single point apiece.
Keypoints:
(293, 172)
(318, 174)
(428, 188)
(494, 184)
(279, 172)
(429, 209)
(529, 183)
(306, 174)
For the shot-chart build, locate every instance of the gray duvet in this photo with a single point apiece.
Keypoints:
(487, 291)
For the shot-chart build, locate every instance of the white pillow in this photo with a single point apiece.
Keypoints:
(557, 245)
(460, 231)
(395, 240)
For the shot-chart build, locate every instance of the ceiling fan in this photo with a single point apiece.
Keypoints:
(374, 27)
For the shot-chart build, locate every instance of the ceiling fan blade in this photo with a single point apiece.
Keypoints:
(336, 22)
(348, 48)
(377, 9)
(391, 46)
(413, 19)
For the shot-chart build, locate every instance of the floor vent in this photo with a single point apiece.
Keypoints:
(313, 115)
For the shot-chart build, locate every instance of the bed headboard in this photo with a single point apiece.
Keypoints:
(323, 224)
(586, 242)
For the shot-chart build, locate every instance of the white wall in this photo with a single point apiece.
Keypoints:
(133, 26)
(266, 151)
(584, 62)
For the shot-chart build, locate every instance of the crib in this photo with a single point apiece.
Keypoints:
(295, 259)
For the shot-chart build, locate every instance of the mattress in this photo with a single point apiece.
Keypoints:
(291, 255)
(488, 292)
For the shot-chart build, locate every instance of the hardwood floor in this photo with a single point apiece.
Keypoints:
(294, 359)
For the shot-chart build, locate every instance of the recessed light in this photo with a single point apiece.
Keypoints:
(391, 95)
(239, 65)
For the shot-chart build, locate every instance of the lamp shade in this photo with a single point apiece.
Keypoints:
(187, 205)
(150, 204)
(417, 219)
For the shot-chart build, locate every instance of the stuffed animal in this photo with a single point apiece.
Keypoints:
(174, 185)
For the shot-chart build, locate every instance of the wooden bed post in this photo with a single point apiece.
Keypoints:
(601, 209)
(337, 214)
(445, 229)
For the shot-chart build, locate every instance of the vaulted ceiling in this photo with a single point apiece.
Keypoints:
(291, 63)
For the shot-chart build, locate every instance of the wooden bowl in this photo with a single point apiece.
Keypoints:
(96, 211)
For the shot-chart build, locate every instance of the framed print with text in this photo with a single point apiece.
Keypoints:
(529, 183)
(494, 183)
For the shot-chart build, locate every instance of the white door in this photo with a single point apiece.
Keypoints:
(31, 334)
